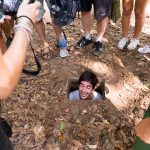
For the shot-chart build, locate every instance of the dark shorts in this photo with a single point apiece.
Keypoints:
(101, 7)
(5, 143)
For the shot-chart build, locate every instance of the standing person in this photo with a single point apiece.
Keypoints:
(60, 35)
(101, 12)
(139, 10)
(40, 28)
(12, 61)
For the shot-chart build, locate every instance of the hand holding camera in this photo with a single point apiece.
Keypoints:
(29, 10)
(26, 10)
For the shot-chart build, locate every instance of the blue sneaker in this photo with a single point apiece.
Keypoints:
(63, 47)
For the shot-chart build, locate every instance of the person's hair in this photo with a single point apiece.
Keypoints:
(88, 76)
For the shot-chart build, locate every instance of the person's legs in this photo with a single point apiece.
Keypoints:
(60, 35)
(101, 28)
(58, 31)
(86, 23)
(62, 40)
(101, 12)
(126, 14)
(40, 28)
(140, 6)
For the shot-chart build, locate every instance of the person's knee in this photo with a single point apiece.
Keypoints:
(100, 18)
(139, 14)
(127, 11)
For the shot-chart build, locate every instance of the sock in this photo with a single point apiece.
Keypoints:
(98, 39)
(88, 36)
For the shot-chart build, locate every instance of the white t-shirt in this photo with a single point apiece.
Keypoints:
(75, 95)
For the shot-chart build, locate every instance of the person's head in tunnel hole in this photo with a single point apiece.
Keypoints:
(87, 83)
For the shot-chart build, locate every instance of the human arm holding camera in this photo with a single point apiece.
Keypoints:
(12, 61)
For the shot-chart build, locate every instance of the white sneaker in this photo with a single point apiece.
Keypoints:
(133, 44)
(122, 43)
(64, 53)
(144, 50)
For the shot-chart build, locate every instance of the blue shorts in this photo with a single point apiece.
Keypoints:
(101, 7)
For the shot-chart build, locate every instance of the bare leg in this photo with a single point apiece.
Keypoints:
(40, 28)
(62, 42)
(127, 10)
(140, 6)
(101, 27)
(86, 22)
(58, 31)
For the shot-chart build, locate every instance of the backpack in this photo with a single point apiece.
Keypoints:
(63, 11)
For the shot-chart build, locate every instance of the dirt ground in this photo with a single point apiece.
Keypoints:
(39, 107)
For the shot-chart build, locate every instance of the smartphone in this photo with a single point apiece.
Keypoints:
(2, 16)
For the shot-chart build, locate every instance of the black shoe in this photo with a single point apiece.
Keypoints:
(97, 48)
(83, 42)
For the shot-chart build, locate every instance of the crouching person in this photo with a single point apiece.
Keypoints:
(87, 83)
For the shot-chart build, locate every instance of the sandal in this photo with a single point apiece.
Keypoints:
(46, 55)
